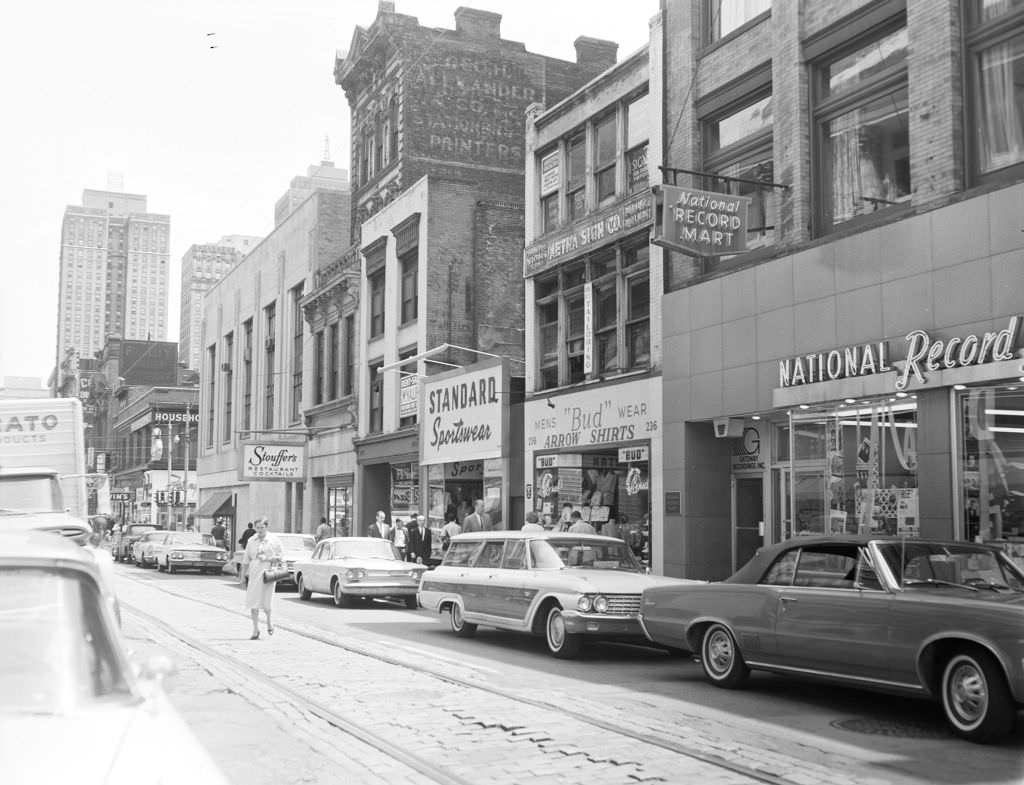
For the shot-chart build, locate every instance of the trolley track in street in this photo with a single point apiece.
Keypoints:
(417, 762)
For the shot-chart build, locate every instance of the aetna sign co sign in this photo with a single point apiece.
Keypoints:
(700, 223)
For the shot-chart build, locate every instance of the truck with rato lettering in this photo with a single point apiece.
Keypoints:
(42, 467)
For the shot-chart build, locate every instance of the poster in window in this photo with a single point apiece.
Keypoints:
(550, 173)
(588, 327)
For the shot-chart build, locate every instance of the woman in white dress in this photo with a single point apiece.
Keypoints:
(261, 553)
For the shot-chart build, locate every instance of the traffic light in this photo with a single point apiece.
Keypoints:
(161, 497)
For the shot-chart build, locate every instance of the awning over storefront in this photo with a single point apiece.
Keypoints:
(218, 504)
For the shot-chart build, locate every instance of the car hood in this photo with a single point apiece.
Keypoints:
(355, 563)
(194, 547)
(58, 521)
(144, 743)
(291, 554)
(614, 581)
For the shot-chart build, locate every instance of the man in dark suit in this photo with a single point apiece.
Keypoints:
(380, 528)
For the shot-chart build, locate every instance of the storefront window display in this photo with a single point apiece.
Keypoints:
(603, 487)
(456, 486)
(991, 462)
(339, 510)
(851, 469)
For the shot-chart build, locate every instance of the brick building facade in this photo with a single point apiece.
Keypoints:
(437, 173)
(881, 148)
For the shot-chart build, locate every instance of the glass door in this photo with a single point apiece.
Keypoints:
(747, 517)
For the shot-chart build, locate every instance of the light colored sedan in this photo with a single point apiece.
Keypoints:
(566, 587)
(352, 568)
(294, 547)
(189, 551)
(142, 548)
(72, 709)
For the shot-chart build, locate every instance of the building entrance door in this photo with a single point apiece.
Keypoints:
(747, 518)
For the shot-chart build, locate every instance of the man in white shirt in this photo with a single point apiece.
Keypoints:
(580, 526)
(532, 523)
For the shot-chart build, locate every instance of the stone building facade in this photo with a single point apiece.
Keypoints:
(437, 172)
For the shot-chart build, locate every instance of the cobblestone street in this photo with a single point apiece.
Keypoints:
(322, 704)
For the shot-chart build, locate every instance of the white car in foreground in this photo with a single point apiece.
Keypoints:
(73, 708)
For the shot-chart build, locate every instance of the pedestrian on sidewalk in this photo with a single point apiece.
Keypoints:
(450, 529)
(400, 536)
(262, 552)
(580, 526)
(323, 531)
(244, 539)
(218, 533)
(532, 523)
(420, 544)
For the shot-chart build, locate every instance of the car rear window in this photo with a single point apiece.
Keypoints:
(459, 553)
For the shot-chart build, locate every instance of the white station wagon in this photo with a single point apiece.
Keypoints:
(564, 586)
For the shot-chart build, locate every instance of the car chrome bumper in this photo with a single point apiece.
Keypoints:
(602, 624)
(379, 589)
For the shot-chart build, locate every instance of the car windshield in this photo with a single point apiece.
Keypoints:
(31, 493)
(569, 552)
(960, 564)
(57, 653)
(190, 538)
(137, 529)
(296, 542)
(364, 549)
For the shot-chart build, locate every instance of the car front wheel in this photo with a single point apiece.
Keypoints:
(459, 625)
(721, 658)
(975, 697)
(304, 593)
(561, 643)
(341, 599)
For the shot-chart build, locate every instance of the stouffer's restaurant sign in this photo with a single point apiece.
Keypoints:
(463, 416)
(923, 355)
(270, 461)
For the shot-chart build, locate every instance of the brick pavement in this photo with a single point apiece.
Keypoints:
(473, 734)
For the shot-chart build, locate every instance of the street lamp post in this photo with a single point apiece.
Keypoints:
(167, 497)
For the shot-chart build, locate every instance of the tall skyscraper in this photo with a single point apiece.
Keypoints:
(325, 176)
(114, 261)
(201, 267)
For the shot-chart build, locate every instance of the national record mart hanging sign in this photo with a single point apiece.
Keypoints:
(924, 354)
(464, 415)
(700, 223)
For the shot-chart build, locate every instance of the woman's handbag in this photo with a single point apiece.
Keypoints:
(275, 575)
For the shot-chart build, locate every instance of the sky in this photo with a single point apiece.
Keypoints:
(208, 107)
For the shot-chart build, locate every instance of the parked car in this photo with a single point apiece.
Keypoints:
(566, 587)
(142, 548)
(121, 544)
(295, 547)
(352, 568)
(943, 620)
(188, 551)
(65, 675)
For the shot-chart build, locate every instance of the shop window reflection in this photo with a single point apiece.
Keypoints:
(854, 470)
(991, 460)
